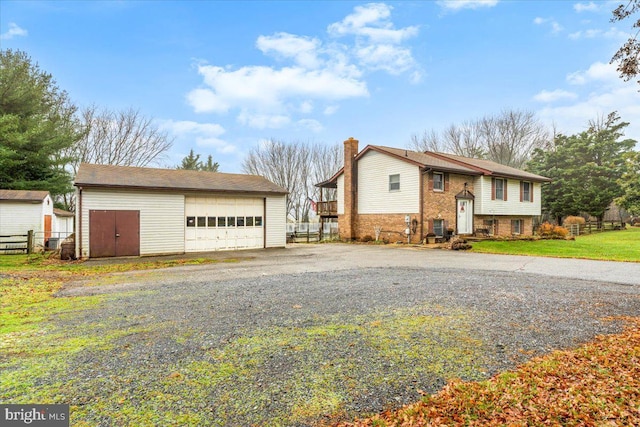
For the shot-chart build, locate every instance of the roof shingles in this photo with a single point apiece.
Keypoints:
(90, 175)
(23, 195)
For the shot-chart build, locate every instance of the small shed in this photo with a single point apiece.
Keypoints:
(24, 210)
(133, 211)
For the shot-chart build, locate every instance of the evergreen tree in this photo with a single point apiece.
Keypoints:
(37, 122)
(210, 166)
(630, 184)
(192, 162)
(585, 168)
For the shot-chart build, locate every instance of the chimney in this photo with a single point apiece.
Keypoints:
(348, 225)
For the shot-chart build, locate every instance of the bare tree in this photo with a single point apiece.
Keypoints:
(508, 138)
(122, 138)
(296, 166)
(628, 56)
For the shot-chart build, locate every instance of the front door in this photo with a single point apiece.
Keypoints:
(465, 216)
(114, 233)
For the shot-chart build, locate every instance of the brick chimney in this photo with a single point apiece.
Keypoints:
(348, 225)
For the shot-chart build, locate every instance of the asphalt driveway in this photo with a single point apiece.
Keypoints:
(332, 331)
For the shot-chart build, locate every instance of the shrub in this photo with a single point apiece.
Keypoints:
(366, 238)
(550, 231)
(570, 220)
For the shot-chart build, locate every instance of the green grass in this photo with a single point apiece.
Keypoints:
(622, 245)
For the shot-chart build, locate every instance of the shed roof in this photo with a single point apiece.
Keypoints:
(61, 212)
(108, 176)
(23, 195)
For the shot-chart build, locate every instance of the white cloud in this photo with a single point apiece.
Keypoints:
(555, 95)
(13, 31)
(372, 21)
(319, 73)
(585, 7)
(303, 50)
(598, 71)
(612, 33)
(466, 4)
(555, 26)
(204, 134)
(331, 109)
(311, 124)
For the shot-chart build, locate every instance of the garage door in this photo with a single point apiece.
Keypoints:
(223, 223)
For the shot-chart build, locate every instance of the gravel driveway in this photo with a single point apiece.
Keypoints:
(316, 332)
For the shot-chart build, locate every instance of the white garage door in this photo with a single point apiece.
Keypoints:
(223, 223)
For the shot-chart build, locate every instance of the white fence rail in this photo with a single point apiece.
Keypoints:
(311, 232)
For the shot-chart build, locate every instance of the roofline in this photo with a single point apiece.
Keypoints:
(175, 189)
(490, 172)
(459, 162)
(380, 149)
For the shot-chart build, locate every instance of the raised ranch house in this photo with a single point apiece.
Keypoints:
(24, 210)
(132, 211)
(405, 195)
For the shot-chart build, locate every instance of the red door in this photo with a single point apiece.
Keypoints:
(47, 228)
(114, 233)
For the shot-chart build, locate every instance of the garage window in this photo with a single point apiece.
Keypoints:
(222, 221)
(258, 221)
(202, 221)
(211, 221)
(191, 221)
(249, 221)
(240, 222)
(231, 221)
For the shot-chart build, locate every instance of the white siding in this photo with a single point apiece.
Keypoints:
(512, 206)
(276, 222)
(20, 217)
(374, 196)
(340, 195)
(62, 226)
(161, 217)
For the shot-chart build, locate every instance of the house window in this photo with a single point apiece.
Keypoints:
(491, 225)
(526, 192)
(500, 187)
(438, 181)
(438, 227)
(394, 182)
(516, 226)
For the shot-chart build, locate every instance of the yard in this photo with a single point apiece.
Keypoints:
(313, 334)
(621, 245)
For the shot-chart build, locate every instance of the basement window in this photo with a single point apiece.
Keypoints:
(394, 182)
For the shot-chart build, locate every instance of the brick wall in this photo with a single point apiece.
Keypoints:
(393, 226)
(442, 204)
(504, 224)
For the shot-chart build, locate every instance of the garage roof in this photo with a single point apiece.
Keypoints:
(109, 176)
(23, 195)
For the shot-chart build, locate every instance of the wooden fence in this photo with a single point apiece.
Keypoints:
(16, 243)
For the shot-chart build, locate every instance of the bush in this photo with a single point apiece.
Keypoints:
(570, 220)
(366, 239)
(550, 231)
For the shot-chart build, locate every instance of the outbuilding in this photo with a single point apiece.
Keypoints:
(133, 211)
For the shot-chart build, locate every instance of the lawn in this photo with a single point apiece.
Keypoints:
(621, 245)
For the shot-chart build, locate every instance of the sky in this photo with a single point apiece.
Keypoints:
(222, 77)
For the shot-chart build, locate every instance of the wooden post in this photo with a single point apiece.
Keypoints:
(29, 242)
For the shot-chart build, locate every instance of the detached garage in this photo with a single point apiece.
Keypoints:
(131, 211)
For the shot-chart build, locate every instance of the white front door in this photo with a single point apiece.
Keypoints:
(465, 216)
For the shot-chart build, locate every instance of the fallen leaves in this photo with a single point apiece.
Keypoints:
(596, 384)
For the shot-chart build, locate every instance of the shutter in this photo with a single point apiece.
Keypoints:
(531, 192)
(430, 184)
(496, 228)
(430, 225)
(445, 225)
(513, 229)
(505, 189)
(521, 191)
(446, 182)
(493, 188)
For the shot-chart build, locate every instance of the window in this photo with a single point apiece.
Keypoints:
(191, 221)
(202, 221)
(526, 192)
(516, 226)
(231, 221)
(249, 221)
(438, 181)
(394, 182)
(500, 189)
(258, 221)
(211, 221)
(240, 222)
(222, 221)
(491, 225)
(438, 227)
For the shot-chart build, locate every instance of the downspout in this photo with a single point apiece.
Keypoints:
(424, 171)
(79, 221)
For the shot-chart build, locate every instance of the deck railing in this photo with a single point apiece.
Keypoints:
(328, 208)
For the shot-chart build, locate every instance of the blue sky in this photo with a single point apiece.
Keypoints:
(221, 77)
